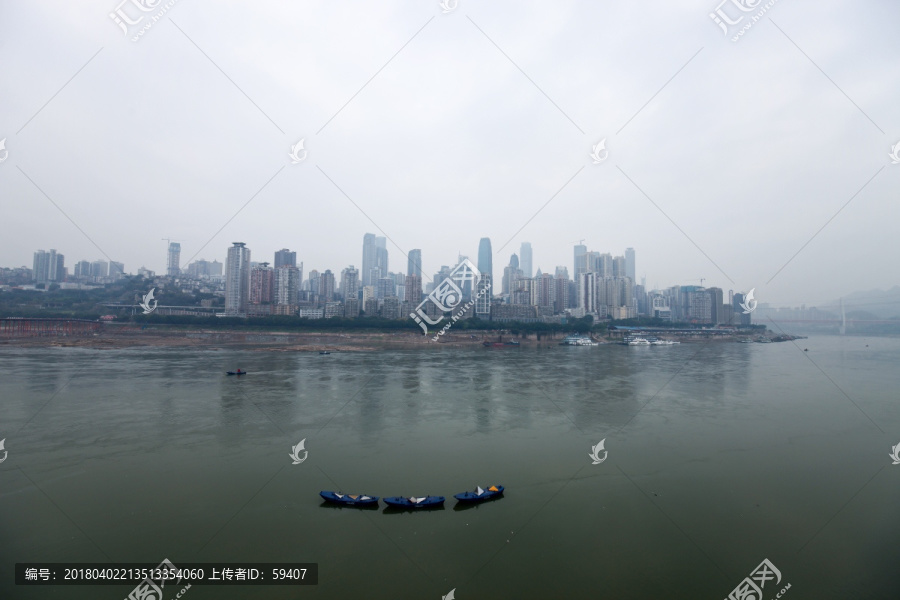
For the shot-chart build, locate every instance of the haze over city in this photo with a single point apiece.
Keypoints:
(725, 159)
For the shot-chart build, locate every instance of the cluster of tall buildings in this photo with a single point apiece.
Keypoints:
(50, 267)
(599, 284)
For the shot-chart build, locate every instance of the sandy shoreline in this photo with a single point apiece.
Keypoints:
(365, 341)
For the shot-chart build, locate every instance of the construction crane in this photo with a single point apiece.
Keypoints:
(580, 242)
(170, 240)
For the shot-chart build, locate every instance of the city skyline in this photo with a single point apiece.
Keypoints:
(702, 174)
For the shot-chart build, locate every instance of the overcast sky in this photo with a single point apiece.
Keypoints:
(436, 129)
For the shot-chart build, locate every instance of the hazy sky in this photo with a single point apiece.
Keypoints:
(725, 158)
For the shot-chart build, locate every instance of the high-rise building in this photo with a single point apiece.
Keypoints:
(384, 287)
(717, 306)
(587, 290)
(314, 282)
(285, 257)
(351, 307)
(413, 293)
(287, 285)
(99, 269)
(350, 283)
(485, 257)
(381, 256)
(82, 270)
(525, 259)
(561, 288)
(326, 286)
(414, 264)
(237, 280)
(580, 267)
(41, 267)
(173, 268)
(739, 317)
(484, 289)
(368, 258)
(262, 284)
(629, 264)
(49, 266)
(618, 267)
(116, 270)
(483, 294)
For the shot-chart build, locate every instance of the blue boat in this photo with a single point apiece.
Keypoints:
(480, 495)
(238, 372)
(415, 501)
(349, 499)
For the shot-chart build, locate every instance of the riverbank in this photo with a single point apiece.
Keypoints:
(118, 336)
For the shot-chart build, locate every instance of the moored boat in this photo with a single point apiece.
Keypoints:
(578, 340)
(415, 501)
(480, 495)
(349, 499)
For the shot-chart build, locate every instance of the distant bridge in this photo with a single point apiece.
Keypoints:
(24, 327)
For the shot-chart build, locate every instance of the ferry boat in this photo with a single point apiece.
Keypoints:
(636, 340)
(578, 340)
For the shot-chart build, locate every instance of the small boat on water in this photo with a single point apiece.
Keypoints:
(324, 352)
(415, 501)
(500, 344)
(480, 495)
(349, 499)
(238, 372)
(578, 340)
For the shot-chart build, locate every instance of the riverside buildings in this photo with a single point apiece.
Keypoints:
(600, 284)
(237, 280)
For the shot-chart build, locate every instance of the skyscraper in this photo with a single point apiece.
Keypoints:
(485, 258)
(381, 256)
(41, 270)
(350, 283)
(237, 280)
(525, 258)
(414, 264)
(483, 291)
(629, 263)
(326, 286)
(173, 264)
(262, 284)
(287, 285)
(285, 257)
(368, 258)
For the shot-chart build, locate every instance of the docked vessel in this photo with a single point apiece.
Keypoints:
(349, 499)
(480, 495)
(415, 501)
(578, 340)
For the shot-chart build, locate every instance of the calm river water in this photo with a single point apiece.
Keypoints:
(720, 455)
